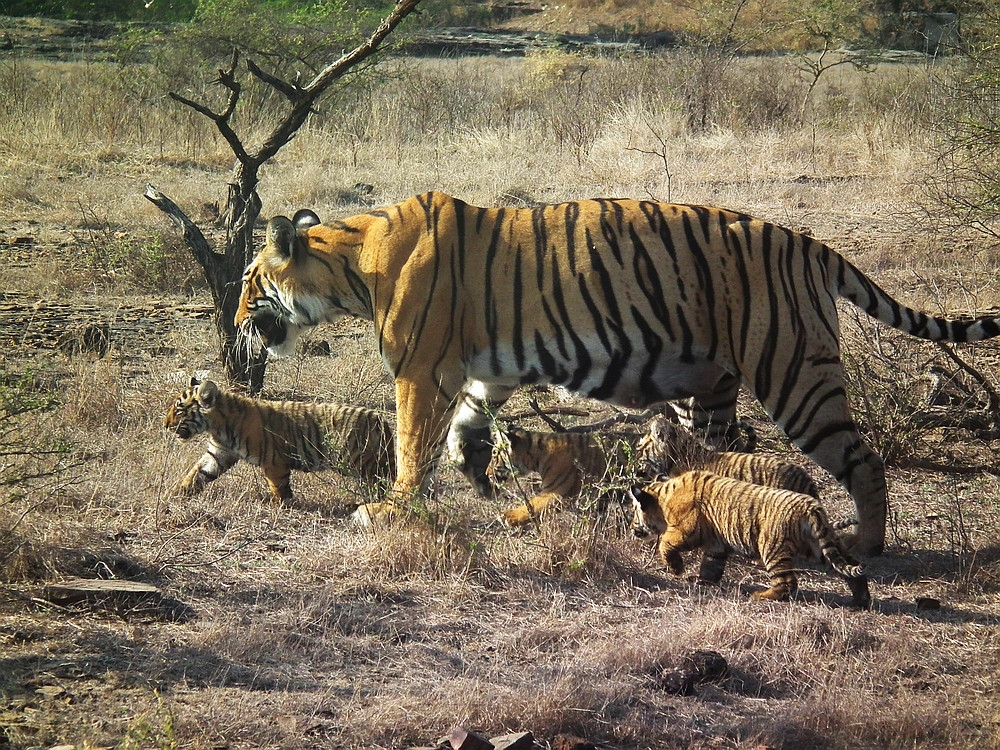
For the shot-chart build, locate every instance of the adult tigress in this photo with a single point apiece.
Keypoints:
(630, 302)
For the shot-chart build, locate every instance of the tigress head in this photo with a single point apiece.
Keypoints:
(280, 297)
(186, 415)
(648, 520)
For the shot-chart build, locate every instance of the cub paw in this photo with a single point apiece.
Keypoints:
(370, 515)
(515, 517)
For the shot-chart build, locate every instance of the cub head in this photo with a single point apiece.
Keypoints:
(648, 520)
(186, 415)
(509, 450)
(663, 446)
(277, 301)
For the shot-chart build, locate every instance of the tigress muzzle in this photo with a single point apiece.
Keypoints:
(265, 329)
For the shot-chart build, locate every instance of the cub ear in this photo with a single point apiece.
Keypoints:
(192, 382)
(208, 393)
(304, 219)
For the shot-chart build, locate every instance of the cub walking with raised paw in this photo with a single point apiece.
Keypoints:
(720, 515)
(279, 436)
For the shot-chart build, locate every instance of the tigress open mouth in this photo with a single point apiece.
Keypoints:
(266, 330)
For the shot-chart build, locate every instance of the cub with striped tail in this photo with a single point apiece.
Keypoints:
(700, 509)
(279, 436)
(630, 302)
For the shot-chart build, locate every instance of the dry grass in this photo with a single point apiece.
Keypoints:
(304, 632)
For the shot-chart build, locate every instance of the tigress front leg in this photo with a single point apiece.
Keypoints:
(470, 439)
(422, 414)
(670, 546)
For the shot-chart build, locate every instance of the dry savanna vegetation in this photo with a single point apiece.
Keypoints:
(284, 626)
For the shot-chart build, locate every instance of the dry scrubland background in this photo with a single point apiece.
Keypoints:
(295, 630)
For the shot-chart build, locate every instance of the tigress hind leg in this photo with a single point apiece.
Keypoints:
(862, 473)
(821, 425)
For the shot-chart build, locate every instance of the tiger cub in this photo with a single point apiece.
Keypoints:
(699, 509)
(279, 436)
(564, 460)
(668, 448)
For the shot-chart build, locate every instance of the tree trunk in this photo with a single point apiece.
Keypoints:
(243, 367)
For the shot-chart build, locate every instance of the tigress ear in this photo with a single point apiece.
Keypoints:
(304, 219)
(208, 392)
(642, 497)
(281, 236)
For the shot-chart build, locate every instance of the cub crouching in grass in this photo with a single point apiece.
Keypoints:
(563, 460)
(279, 436)
(720, 515)
(667, 448)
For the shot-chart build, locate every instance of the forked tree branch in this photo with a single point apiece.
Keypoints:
(302, 98)
(991, 392)
(305, 96)
(227, 77)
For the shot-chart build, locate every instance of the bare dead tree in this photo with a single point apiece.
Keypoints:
(223, 270)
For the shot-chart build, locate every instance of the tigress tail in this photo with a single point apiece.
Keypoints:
(853, 285)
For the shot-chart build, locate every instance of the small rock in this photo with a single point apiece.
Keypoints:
(516, 741)
(462, 739)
